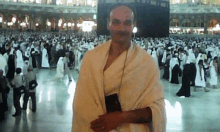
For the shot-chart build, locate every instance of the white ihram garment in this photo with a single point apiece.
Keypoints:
(213, 75)
(45, 62)
(60, 68)
(140, 88)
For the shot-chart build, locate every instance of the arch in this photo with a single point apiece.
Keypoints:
(198, 23)
(12, 16)
(1, 18)
(174, 22)
(213, 22)
(186, 23)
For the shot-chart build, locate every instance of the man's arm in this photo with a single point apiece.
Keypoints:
(138, 116)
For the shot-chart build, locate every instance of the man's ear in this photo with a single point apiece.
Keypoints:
(108, 24)
(134, 24)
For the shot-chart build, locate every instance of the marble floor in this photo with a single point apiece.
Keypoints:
(199, 113)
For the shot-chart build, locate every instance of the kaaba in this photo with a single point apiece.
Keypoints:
(152, 17)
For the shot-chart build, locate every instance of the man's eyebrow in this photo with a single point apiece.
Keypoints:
(128, 20)
(115, 19)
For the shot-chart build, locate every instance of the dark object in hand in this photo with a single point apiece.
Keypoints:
(112, 103)
(33, 84)
(69, 64)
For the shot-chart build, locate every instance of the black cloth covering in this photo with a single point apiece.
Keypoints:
(185, 88)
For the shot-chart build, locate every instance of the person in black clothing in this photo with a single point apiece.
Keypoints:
(17, 83)
(33, 57)
(166, 67)
(11, 67)
(3, 96)
(185, 88)
(176, 71)
(209, 56)
(193, 74)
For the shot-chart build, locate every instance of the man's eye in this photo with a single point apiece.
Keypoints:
(128, 23)
(116, 22)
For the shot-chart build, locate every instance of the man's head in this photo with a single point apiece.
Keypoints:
(67, 54)
(30, 68)
(200, 63)
(1, 72)
(121, 22)
(18, 70)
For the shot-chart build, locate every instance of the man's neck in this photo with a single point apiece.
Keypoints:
(118, 48)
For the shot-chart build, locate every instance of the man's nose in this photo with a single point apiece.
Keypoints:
(121, 27)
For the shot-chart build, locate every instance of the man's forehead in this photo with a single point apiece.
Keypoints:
(121, 12)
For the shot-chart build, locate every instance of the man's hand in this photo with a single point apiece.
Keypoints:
(107, 122)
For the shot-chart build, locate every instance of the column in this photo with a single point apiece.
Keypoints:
(53, 2)
(205, 24)
(43, 23)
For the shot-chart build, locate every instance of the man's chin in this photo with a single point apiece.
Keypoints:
(121, 40)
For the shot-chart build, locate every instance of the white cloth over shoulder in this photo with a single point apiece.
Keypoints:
(200, 80)
(173, 62)
(154, 55)
(45, 62)
(213, 75)
(3, 64)
(19, 59)
(60, 68)
(141, 81)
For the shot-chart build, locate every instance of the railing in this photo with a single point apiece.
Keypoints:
(34, 3)
(196, 35)
(194, 4)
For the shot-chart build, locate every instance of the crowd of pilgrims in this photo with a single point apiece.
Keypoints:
(194, 60)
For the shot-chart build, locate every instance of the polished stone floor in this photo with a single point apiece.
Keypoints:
(199, 113)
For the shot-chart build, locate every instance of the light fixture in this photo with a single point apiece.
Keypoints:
(59, 24)
(94, 16)
(134, 30)
(1, 19)
(73, 24)
(13, 19)
(69, 24)
(48, 23)
(37, 24)
(64, 24)
(23, 24)
(87, 26)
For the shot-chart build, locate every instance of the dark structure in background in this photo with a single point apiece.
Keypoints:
(152, 18)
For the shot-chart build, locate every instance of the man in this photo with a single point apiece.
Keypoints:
(66, 61)
(140, 94)
(19, 58)
(45, 61)
(3, 64)
(28, 92)
(17, 83)
(3, 96)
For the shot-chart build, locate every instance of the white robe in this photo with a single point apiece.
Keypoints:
(45, 62)
(213, 75)
(183, 61)
(154, 55)
(3, 64)
(198, 81)
(60, 68)
(191, 56)
(173, 62)
(19, 60)
(89, 99)
(77, 59)
(164, 56)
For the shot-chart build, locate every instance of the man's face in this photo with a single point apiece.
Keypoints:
(121, 24)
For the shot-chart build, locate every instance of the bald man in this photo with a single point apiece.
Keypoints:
(118, 88)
